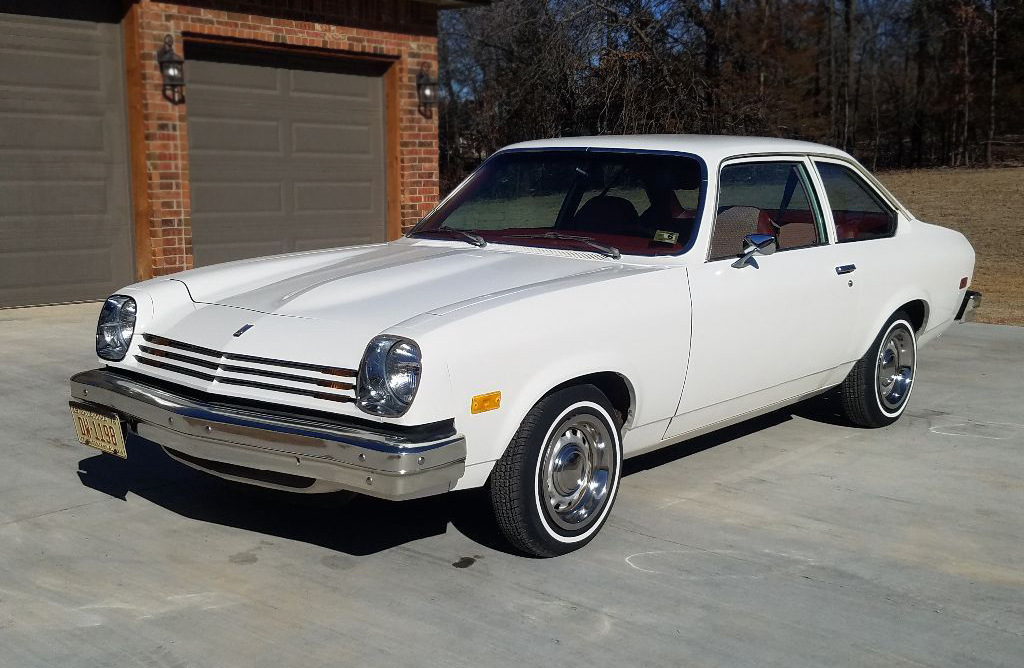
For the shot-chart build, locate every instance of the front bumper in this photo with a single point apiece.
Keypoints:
(972, 300)
(277, 450)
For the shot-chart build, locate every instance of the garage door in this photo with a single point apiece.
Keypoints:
(284, 155)
(65, 226)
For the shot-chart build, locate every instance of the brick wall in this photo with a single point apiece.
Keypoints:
(399, 29)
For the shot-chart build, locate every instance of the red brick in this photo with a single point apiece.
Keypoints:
(389, 27)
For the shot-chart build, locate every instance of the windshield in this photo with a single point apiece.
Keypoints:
(633, 203)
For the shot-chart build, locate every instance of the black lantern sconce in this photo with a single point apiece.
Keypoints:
(172, 69)
(426, 90)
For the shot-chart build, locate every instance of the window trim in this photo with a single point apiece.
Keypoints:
(825, 231)
(871, 179)
(845, 160)
(883, 197)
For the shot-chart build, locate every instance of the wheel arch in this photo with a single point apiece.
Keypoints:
(917, 310)
(490, 433)
(915, 305)
(615, 386)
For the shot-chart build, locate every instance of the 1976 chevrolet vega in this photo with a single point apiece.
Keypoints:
(573, 302)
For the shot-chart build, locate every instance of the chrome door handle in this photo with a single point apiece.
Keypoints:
(846, 269)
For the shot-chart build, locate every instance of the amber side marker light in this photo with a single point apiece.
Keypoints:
(485, 402)
(964, 281)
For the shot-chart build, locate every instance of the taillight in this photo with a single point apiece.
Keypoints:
(964, 281)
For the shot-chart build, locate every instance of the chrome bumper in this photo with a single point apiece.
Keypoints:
(972, 300)
(278, 450)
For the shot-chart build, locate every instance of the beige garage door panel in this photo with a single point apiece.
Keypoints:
(65, 225)
(283, 159)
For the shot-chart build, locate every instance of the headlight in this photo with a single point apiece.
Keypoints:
(389, 376)
(116, 327)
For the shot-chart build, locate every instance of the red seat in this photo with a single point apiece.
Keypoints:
(857, 224)
(735, 222)
(608, 214)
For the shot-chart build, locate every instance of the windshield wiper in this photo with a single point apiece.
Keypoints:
(468, 237)
(608, 251)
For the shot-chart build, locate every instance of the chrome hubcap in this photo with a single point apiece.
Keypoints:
(577, 471)
(894, 372)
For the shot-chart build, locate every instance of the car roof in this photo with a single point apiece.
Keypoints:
(712, 148)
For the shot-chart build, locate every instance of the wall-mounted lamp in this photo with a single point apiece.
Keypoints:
(172, 69)
(426, 89)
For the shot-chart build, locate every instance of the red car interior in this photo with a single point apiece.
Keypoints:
(862, 225)
(666, 227)
(628, 244)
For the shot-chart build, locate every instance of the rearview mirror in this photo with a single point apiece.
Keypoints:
(756, 244)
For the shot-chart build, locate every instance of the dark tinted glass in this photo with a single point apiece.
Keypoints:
(858, 211)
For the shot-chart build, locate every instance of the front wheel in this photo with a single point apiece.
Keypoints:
(876, 391)
(553, 488)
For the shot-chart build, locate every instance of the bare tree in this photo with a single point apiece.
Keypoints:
(994, 8)
(849, 13)
(810, 69)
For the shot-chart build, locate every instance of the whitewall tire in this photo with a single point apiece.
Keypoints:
(555, 485)
(877, 390)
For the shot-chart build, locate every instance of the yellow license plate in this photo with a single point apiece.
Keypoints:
(99, 430)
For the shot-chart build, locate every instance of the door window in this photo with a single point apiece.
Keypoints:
(765, 198)
(859, 212)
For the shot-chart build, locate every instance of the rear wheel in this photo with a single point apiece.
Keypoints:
(876, 391)
(553, 488)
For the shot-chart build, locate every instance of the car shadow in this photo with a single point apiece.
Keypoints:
(824, 408)
(354, 524)
(698, 444)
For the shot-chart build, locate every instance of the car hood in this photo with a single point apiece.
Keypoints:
(283, 314)
(376, 287)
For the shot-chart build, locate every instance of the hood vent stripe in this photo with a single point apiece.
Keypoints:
(177, 357)
(171, 343)
(195, 361)
(215, 367)
(242, 382)
(161, 341)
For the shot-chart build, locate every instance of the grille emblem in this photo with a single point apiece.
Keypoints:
(242, 330)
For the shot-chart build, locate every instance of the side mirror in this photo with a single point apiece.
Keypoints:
(756, 244)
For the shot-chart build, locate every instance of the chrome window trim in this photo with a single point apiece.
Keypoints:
(863, 172)
(885, 197)
(842, 159)
(808, 181)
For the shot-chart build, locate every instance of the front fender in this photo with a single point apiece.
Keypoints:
(636, 326)
(492, 431)
(159, 300)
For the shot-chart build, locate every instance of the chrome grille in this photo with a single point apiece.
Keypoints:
(297, 378)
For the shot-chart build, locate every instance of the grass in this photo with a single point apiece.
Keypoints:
(987, 206)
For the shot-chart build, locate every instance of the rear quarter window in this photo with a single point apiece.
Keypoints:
(858, 211)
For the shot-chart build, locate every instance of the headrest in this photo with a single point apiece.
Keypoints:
(605, 211)
(675, 174)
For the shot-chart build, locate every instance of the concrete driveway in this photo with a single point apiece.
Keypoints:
(790, 541)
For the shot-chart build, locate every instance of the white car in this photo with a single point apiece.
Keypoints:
(575, 301)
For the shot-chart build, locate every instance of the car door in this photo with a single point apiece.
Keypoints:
(865, 224)
(776, 328)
